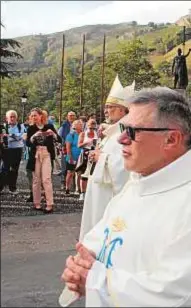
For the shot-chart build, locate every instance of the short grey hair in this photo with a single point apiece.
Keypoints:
(172, 107)
(9, 112)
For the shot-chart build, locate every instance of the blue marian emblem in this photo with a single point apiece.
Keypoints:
(108, 247)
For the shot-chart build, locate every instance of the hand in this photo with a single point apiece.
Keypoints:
(49, 132)
(75, 276)
(94, 155)
(39, 133)
(71, 161)
(77, 269)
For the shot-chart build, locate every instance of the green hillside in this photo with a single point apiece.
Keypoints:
(141, 52)
(45, 50)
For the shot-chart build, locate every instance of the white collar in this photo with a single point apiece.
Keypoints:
(176, 174)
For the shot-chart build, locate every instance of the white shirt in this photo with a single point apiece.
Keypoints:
(143, 243)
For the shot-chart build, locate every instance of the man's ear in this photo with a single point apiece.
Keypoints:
(173, 138)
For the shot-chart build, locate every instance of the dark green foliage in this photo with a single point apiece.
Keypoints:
(7, 54)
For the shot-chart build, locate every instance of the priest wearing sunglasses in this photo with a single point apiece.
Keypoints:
(139, 254)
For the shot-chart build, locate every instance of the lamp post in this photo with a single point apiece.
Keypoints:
(23, 102)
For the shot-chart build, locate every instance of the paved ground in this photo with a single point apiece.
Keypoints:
(33, 254)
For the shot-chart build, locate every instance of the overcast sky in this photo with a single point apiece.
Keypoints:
(33, 17)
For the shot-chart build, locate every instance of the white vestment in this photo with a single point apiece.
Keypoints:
(143, 243)
(108, 179)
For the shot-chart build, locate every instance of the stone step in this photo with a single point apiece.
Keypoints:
(24, 194)
(25, 204)
(23, 209)
(57, 198)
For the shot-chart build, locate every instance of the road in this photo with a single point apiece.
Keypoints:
(33, 254)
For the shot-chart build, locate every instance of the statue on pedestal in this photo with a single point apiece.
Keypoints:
(179, 69)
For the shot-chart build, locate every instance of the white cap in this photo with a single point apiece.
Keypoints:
(118, 95)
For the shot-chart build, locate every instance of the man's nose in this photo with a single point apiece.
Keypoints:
(124, 138)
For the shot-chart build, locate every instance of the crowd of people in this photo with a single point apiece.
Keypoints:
(48, 151)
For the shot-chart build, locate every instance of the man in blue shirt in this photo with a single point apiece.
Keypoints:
(63, 132)
(12, 151)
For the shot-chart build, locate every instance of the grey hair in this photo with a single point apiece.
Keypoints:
(9, 112)
(172, 108)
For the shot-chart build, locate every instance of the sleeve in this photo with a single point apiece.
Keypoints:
(60, 131)
(69, 138)
(65, 131)
(117, 172)
(110, 170)
(18, 136)
(58, 138)
(168, 285)
(29, 135)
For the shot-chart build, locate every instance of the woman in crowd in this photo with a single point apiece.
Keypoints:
(40, 139)
(87, 141)
(73, 152)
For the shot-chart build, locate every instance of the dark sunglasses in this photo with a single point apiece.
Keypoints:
(131, 131)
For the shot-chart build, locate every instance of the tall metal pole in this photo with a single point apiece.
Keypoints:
(102, 79)
(61, 81)
(82, 74)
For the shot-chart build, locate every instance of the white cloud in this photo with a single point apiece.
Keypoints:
(33, 17)
(141, 11)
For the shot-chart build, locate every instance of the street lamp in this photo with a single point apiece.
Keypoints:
(23, 101)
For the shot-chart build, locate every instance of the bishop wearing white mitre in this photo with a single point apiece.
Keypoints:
(109, 175)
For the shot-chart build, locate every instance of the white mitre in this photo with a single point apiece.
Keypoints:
(129, 91)
(118, 95)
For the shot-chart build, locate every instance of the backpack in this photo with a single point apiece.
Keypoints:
(7, 127)
(5, 139)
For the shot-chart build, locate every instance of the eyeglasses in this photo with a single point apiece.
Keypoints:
(131, 131)
(110, 107)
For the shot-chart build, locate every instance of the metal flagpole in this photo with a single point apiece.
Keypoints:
(82, 73)
(61, 81)
(102, 79)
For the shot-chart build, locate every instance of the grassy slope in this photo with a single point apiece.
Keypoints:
(31, 44)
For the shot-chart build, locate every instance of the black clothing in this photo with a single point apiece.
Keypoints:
(43, 140)
(180, 72)
(11, 161)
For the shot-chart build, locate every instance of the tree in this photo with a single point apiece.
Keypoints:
(5, 54)
(131, 63)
